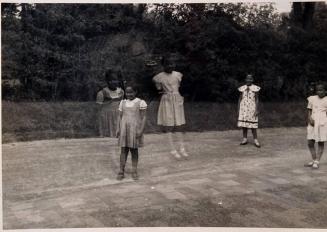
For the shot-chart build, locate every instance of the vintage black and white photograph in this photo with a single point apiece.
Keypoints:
(164, 115)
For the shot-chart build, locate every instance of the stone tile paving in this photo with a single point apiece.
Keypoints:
(71, 183)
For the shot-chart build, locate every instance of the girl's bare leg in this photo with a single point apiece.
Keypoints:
(254, 133)
(245, 136)
(171, 141)
(245, 133)
(180, 136)
(320, 150)
(255, 137)
(135, 158)
(123, 159)
(311, 146)
(312, 149)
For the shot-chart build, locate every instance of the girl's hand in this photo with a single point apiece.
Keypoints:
(311, 121)
(256, 113)
(117, 133)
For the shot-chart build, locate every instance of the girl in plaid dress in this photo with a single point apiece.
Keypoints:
(131, 123)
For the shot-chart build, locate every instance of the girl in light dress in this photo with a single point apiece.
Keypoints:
(171, 108)
(131, 123)
(108, 98)
(317, 124)
(248, 109)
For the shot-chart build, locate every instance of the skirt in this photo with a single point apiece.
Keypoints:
(318, 132)
(108, 119)
(171, 110)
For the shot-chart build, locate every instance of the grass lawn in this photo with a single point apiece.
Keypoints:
(23, 121)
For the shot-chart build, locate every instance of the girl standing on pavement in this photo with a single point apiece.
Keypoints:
(317, 124)
(131, 122)
(248, 109)
(171, 108)
(108, 98)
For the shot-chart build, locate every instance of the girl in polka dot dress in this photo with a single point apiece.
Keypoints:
(248, 109)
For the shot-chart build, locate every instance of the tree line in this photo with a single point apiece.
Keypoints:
(58, 52)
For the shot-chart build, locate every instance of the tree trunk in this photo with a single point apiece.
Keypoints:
(307, 20)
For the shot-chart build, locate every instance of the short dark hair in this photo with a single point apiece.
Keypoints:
(133, 87)
(321, 83)
(166, 59)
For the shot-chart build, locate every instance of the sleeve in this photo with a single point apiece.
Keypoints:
(120, 107)
(143, 105)
(310, 104)
(255, 88)
(157, 81)
(100, 98)
(157, 78)
(242, 88)
(179, 76)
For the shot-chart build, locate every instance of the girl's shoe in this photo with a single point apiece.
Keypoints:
(183, 153)
(176, 154)
(256, 143)
(135, 176)
(120, 176)
(309, 164)
(244, 142)
(315, 164)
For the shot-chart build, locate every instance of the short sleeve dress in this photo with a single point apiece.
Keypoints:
(246, 116)
(109, 101)
(171, 107)
(318, 132)
(130, 122)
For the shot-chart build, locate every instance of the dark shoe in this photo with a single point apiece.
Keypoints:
(120, 176)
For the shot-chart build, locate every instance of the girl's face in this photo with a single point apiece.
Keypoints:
(320, 91)
(113, 82)
(169, 67)
(130, 93)
(249, 80)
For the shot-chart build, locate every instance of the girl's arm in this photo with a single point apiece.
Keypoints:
(142, 123)
(310, 120)
(239, 103)
(256, 104)
(100, 98)
(120, 115)
(156, 80)
(158, 85)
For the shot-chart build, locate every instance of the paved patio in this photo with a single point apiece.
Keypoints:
(72, 183)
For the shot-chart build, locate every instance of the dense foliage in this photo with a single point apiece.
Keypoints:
(61, 51)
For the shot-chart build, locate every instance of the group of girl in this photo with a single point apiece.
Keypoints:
(131, 115)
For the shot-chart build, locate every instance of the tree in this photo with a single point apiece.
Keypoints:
(302, 14)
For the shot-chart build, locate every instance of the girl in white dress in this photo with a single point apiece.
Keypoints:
(171, 108)
(248, 109)
(131, 122)
(317, 124)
